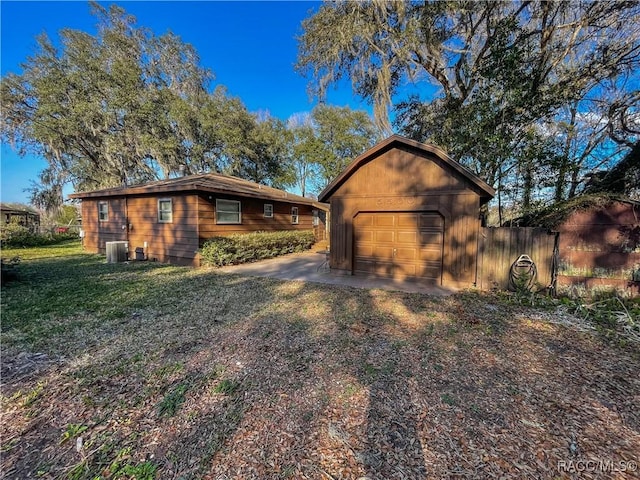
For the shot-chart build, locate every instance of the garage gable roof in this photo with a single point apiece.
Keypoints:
(485, 190)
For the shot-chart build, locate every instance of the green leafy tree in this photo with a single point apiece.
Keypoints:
(504, 71)
(337, 136)
(325, 141)
(68, 215)
(341, 134)
(622, 179)
(125, 106)
(306, 152)
(119, 107)
(257, 149)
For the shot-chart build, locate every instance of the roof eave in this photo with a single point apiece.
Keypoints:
(486, 191)
(193, 187)
(135, 190)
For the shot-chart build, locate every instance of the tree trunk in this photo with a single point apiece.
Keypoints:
(563, 170)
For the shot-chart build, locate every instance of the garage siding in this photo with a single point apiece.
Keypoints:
(405, 213)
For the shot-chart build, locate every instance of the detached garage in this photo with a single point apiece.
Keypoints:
(405, 210)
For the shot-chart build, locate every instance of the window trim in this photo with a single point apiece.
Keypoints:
(170, 211)
(295, 217)
(239, 212)
(270, 215)
(106, 212)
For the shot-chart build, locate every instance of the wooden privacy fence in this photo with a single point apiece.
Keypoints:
(500, 247)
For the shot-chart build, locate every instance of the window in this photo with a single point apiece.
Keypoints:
(228, 211)
(268, 210)
(316, 219)
(103, 211)
(165, 210)
(294, 215)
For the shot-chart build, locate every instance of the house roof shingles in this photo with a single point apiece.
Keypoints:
(206, 182)
(18, 208)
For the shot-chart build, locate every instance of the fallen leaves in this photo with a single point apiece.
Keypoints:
(294, 380)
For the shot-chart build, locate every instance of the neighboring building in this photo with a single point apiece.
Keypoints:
(406, 210)
(22, 214)
(599, 242)
(169, 220)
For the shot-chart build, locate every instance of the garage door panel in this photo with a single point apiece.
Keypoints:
(382, 252)
(365, 220)
(378, 266)
(430, 255)
(406, 254)
(431, 270)
(383, 236)
(364, 236)
(407, 220)
(407, 237)
(366, 266)
(384, 268)
(402, 245)
(384, 220)
(431, 238)
(365, 250)
(406, 270)
(431, 221)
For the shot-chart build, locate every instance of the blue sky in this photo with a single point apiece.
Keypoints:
(249, 46)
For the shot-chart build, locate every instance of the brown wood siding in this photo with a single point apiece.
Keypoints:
(97, 233)
(252, 217)
(135, 219)
(401, 171)
(401, 180)
(175, 242)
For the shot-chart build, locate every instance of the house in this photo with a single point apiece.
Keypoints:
(599, 241)
(406, 210)
(169, 220)
(21, 214)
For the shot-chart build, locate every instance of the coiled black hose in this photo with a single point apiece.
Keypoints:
(522, 274)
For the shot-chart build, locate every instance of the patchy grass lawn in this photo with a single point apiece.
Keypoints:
(149, 371)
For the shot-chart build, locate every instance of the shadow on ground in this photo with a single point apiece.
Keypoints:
(209, 375)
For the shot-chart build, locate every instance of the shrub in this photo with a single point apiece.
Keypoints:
(16, 235)
(250, 247)
(13, 232)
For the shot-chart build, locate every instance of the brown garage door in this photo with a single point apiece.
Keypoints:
(399, 244)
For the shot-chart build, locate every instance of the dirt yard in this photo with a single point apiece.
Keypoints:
(203, 375)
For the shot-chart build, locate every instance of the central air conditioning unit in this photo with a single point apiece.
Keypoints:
(117, 252)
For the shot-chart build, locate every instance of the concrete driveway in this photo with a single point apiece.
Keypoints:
(312, 267)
